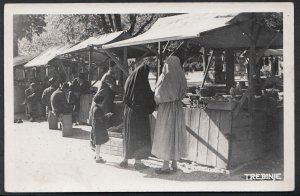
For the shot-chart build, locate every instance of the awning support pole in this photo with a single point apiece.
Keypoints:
(207, 68)
(117, 62)
(251, 85)
(177, 48)
(159, 59)
(125, 64)
(90, 59)
(165, 47)
(239, 107)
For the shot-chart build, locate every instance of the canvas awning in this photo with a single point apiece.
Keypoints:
(178, 27)
(45, 57)
(21, 60)
(271, 52)
(211, 30)
(95, 43)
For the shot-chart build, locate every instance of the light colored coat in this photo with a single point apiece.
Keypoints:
(169, 135)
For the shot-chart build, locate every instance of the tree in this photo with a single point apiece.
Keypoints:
(25, 26)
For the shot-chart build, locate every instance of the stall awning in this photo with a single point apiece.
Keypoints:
(211, 30)
(178, 27)
(95, 41)
(45, 57)
(271, 52)
(100, 40)
(21, 60)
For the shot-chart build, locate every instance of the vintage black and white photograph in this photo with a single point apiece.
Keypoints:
(149, 97)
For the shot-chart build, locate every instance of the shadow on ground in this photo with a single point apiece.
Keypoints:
(183, 176)
(78, 133)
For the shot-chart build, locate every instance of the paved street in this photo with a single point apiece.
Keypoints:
(40, 159)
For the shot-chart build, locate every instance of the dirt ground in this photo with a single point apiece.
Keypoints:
(38, 159)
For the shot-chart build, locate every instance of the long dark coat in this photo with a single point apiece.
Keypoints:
(99, 133)
(139, 100)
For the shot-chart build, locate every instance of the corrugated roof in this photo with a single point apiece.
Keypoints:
(47, 55)
(177, 27)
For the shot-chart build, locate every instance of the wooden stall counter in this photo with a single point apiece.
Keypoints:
(214, 138)
(86, 101)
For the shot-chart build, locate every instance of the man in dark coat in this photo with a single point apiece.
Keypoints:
(32, 101)
(59, 101)
(47, 94)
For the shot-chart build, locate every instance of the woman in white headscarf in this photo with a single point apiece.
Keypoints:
(170, 124)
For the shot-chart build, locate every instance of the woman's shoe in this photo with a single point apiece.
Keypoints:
(163, 171)
(140, 166)
(124, 164)
(100, 160)
(174, 166)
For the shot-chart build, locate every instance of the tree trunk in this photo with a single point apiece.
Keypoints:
(118, 22)
(111, 22)
(104, 24)
(15, 46)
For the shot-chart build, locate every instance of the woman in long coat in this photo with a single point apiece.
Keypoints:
(170, 123)
(139, 103)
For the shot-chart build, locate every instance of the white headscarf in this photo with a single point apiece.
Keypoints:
(171, 84)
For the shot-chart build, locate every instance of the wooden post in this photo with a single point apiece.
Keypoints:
(229, 69)
(117, 62)
(125, 64)
(207, 68)
(159, 68)
(90, 63)
(250, 82)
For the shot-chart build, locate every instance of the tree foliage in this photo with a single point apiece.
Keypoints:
(273, 20)
(78, 27)
(26, 26)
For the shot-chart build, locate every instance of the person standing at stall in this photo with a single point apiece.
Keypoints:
(47, 94)
(32, 101)
(108, 89)
(169, 138)
(139, 103)
(78, 87)
(59, 101)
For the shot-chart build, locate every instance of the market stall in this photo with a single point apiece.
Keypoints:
(97, 63)
(20, 81)
(220, 128)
